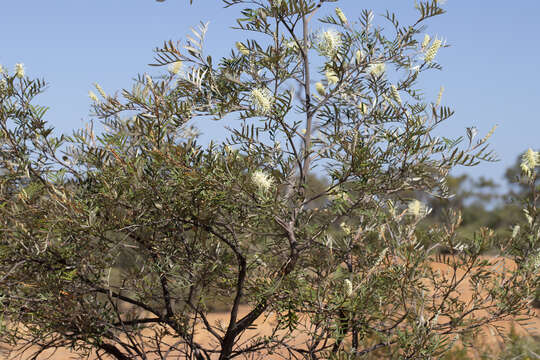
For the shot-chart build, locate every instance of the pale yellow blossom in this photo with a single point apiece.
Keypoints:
(93, 96)
(19, 70)
(262, 100)
(377, 69)
(341, 15)
(149, 80)
(346, 229)
(329, 42)
(432, 51)
(100, 90)
(331, 77)
(262, 180)
(359, 56)
(515, 231)
(348, 287)
(425, 42)
(395, 94)
(175, 67)
(320, 88)
(439, 97)
(529, 161)
(417, 209)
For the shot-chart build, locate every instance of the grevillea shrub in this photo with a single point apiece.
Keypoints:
(122, 242)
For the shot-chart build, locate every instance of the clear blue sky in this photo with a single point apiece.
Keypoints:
(491, 71)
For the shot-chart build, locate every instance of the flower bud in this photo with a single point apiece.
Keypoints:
(359, 56)
(100, 90)
(19, 70)
(439, 97)
(320, 88)
(348, 287)
(331, 77)
(93, 96)
(175, 67)
(425, 42)
(395, 94)
(341, 15)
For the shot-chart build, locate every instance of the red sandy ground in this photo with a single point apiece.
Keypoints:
(264, 326)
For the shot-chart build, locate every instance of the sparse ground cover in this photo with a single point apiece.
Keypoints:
(489, 342)
(497, 340)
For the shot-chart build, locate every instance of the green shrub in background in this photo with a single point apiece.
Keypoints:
(522, 348)
(120, 241)
(515, 348)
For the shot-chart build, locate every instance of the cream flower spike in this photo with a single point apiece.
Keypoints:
(19, 70)
(341, 15)
(100, 90)
(432, 51)
(331, 77)
(262, 180)
(417, 209)
(359, 55)
(346, 229)
(93, 96)
(529, 161)
(262, 100)
(320, 88)
(329, 42)
(175, 67)
(348, 287)
(439, 97)
(425, 42)
(377, 69)
(395, 94)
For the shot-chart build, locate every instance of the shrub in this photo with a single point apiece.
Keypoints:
(121, 241)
